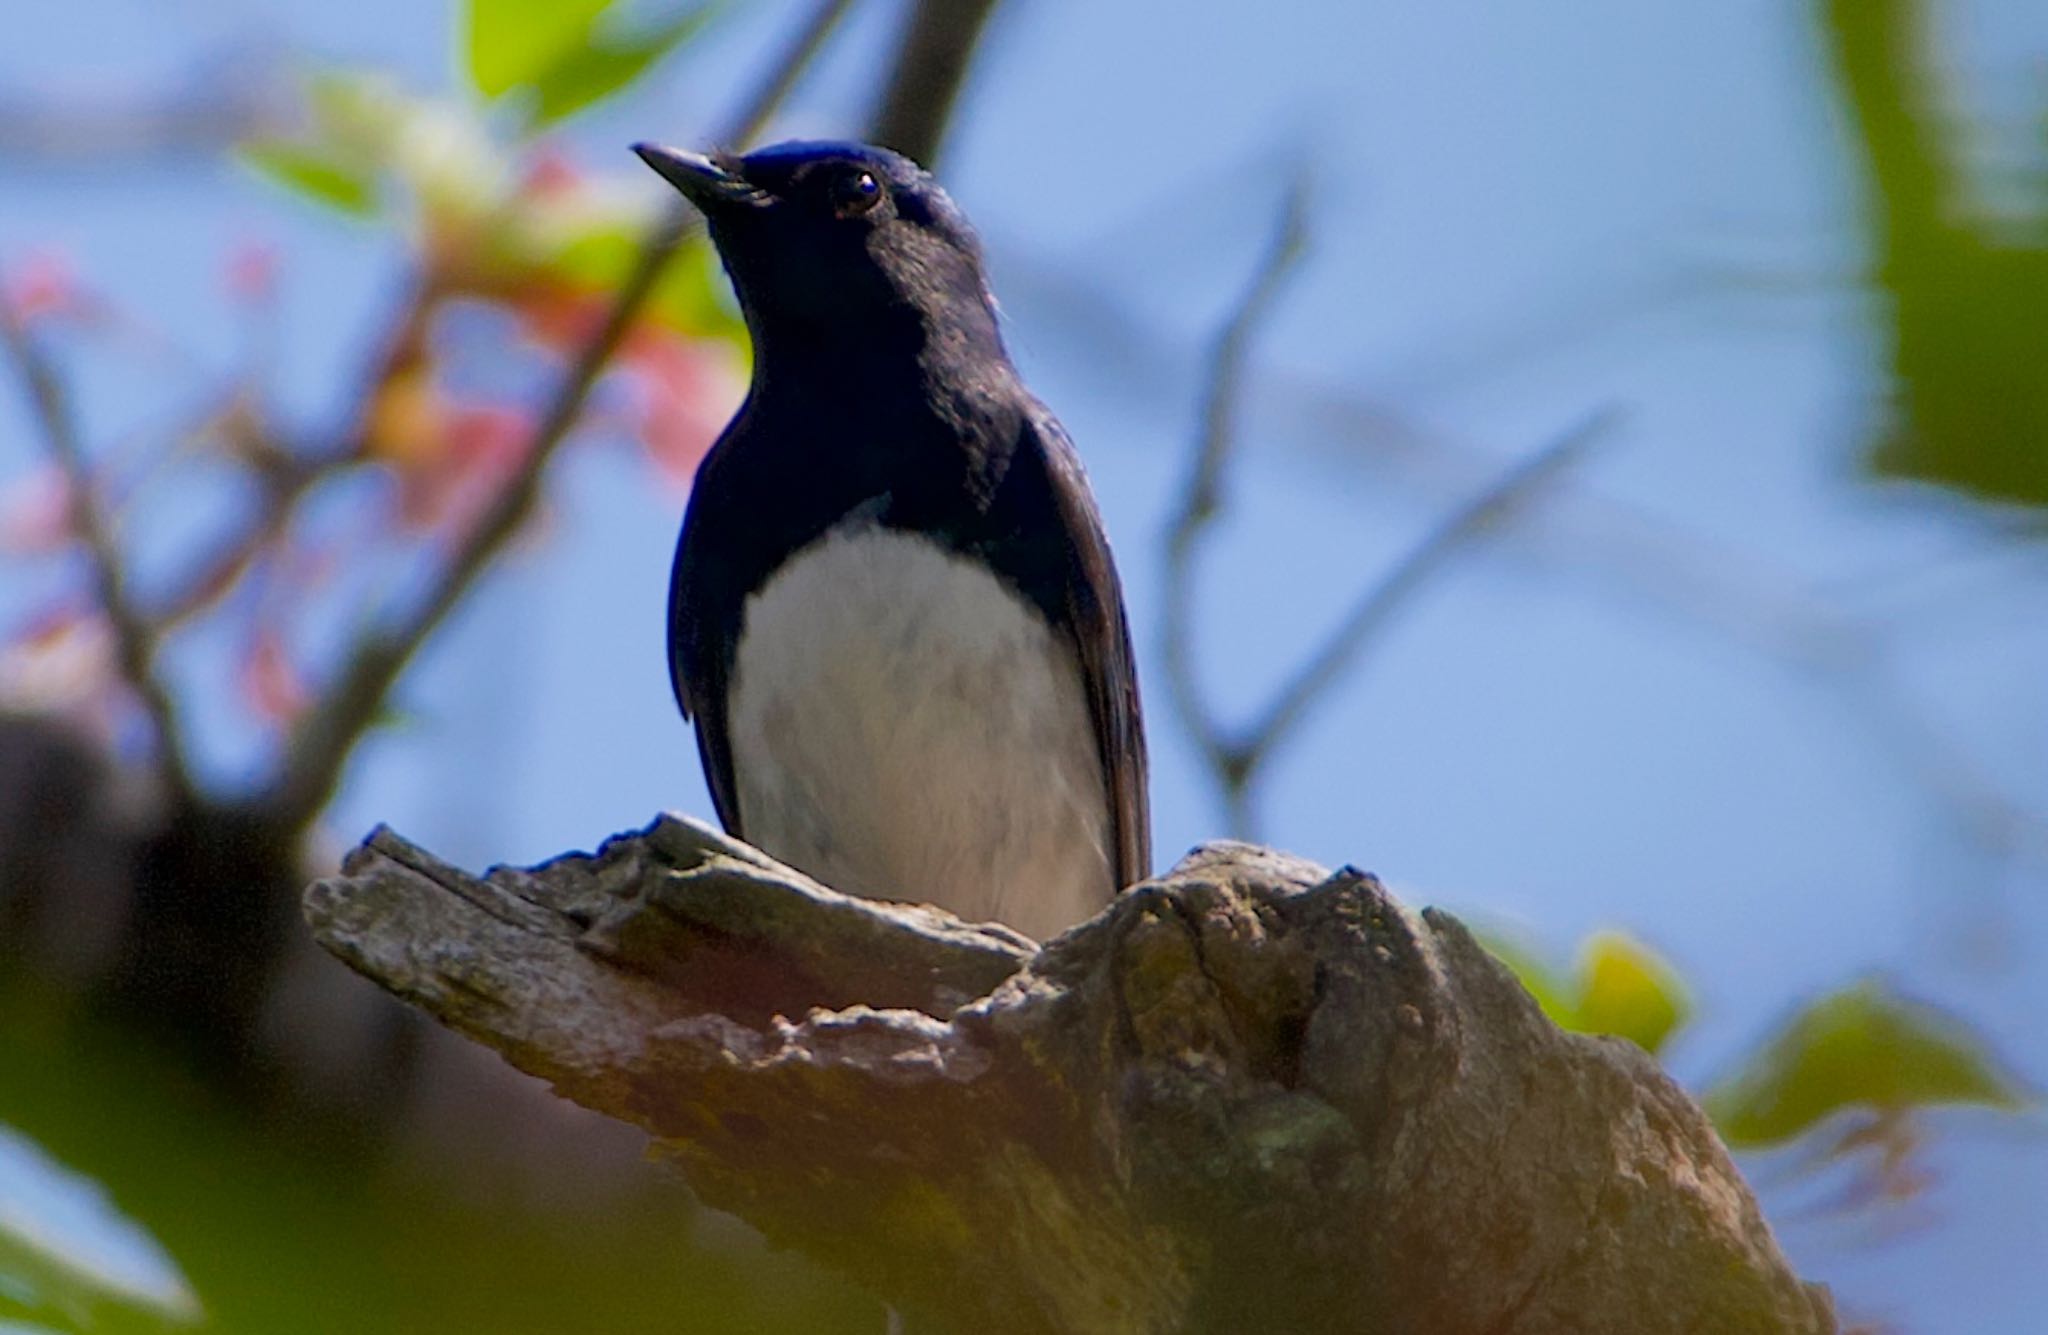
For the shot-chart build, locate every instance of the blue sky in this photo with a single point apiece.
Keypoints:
(1521, 214)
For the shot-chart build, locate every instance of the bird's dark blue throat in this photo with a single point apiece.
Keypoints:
(893, 617)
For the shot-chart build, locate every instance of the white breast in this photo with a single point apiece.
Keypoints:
(905, 727)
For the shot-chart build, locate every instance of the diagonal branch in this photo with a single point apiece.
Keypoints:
(1377, 606)
(789, 66)
(321, 744)
(1237, 755)
(1203, 497)
(134, 641)
(932, 56)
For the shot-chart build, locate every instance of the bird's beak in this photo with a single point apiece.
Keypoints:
(702, 181)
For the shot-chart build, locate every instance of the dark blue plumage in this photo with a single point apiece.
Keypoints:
(894, 618)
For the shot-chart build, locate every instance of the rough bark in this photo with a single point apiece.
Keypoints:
(1252, 1095)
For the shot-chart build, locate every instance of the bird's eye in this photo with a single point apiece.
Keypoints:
(855, 193)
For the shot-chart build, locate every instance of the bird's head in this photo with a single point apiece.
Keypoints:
(835, 239)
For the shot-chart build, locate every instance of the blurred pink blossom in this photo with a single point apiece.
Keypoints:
(686, 391)
(42, 284)
(560, 319)
(61, 661)
(478, 447)
(683, 390)
(550, 174)
(35, 513)
(269, 682)
(250, 274)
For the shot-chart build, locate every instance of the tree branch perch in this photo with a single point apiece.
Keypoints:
(1251, 1095)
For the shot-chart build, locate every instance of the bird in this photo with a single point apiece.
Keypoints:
(894, 619)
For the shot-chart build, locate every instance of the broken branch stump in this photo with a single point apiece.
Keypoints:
(1249, 1096)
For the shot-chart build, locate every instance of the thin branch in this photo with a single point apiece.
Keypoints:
(134, 641)
(1378, 605)
(932, 56)
(1236, 756)
(790, 64)
(1202, 496)
(321, 744)
(231, 559)
(284, 472)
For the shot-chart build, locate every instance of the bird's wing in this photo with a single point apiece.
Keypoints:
(697, 667)
(1095, 624)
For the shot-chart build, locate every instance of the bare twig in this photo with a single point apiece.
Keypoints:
(1237, 755)
(320, 745)
(1204, 488)
(284, 473)
(134, 641)
(1376, 607)
(283, 486)
(789, 66)
(932, 56)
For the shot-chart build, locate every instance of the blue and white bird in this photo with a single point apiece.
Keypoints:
(893, 617)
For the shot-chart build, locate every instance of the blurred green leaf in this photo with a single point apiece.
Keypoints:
(65, 1248)
(507, 44)
(324, 177)
(1627, 989)
(1971, 409)
(594, 70)
(1617, 986)
(436, 151)
(1864, 1046)
(359, 113)
(1966, 290)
